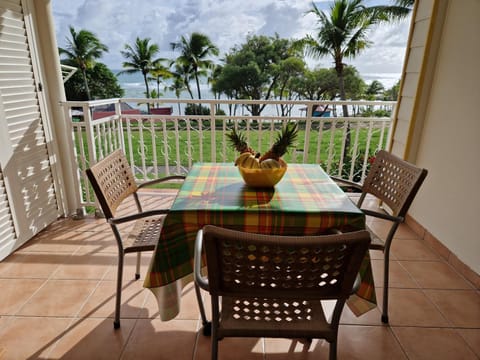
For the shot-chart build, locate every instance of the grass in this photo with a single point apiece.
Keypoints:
(225, 150)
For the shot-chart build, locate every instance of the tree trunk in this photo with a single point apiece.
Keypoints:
(341, 85)
(148, 91)
(199, 109)
(87, 89)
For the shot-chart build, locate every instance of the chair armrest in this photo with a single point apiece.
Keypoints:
(127, 218)
(159, 180)
(347, 182)
(197, 262)
(383, 215)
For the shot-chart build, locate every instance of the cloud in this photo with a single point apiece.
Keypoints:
(226, 22)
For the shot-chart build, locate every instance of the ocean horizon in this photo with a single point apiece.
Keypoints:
(134, 85)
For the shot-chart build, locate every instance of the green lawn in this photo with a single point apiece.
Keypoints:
(196, 140)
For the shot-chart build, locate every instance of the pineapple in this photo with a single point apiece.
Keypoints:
(239, 142)
(284, 140)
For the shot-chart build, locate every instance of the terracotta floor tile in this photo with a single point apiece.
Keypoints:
(130, 267)
(355, 342)
(154, 339)
(472, 338)
(100, 242)
(93, 339)
(432, 343)
(102, 301)
(461, 307)
(382, 227)
(411, 307)
(435, 275)
(88, 223)
(53, 242)
(4, 320)
(398, 276)
(286, 349)
(59, 298)
(49, 308)
(31, 337)
(405, 232)
(230, 348)
(30, 265)
(85, 266)
(15, 293)
(412, 250)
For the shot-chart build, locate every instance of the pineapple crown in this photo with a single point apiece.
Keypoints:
(285, 139)
(239, 141)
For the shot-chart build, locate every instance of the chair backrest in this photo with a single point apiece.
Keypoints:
(283, 267)
(394, 181)
(112, 180)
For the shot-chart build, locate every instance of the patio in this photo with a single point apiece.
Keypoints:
(58, 300)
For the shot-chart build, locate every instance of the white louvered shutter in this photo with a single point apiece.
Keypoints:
(7, 231)
(25, 161)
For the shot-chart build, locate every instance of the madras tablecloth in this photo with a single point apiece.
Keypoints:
(305, 202)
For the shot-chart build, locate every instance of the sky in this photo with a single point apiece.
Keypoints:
(226, 22)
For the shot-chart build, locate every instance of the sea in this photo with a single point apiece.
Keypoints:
(135, 87)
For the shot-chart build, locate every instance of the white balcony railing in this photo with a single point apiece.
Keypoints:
(170, 142)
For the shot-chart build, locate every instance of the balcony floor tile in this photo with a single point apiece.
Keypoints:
(58, 294)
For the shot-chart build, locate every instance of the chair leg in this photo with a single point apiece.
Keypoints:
(118, 299)
(386, 265)
(332, 355)
(139, 260)
(214, 347)
(207, 326)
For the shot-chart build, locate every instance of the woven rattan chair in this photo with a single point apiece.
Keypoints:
(113, 181)
(395, 183)
(270, 286)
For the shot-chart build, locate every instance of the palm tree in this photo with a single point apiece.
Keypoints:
(158, 73)
(194, 53)
(343, 32)
(141, 58)
(405, 3)
(183, 72)
(177, 86)
(82, 50)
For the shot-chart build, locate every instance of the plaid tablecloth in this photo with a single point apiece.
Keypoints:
(305, 202)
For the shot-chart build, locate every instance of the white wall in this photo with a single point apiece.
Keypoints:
(448, 205)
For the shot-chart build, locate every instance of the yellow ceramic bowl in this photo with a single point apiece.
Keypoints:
(263, 178)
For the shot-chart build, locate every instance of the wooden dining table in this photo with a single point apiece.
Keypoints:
(305, 202)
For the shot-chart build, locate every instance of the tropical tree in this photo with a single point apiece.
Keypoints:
(375, 90)
(182, 72)
(287, 70)
(316, 84)
(82, 50)
(252, 70)
(342, 33)
(215, 72)
(405, 3)
(177, 86)
(103, 84)
(141, 57)
(158, 74)
(194, 56)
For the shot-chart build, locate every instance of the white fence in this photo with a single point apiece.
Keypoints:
(170, 142)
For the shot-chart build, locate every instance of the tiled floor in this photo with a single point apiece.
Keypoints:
(57, 299)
